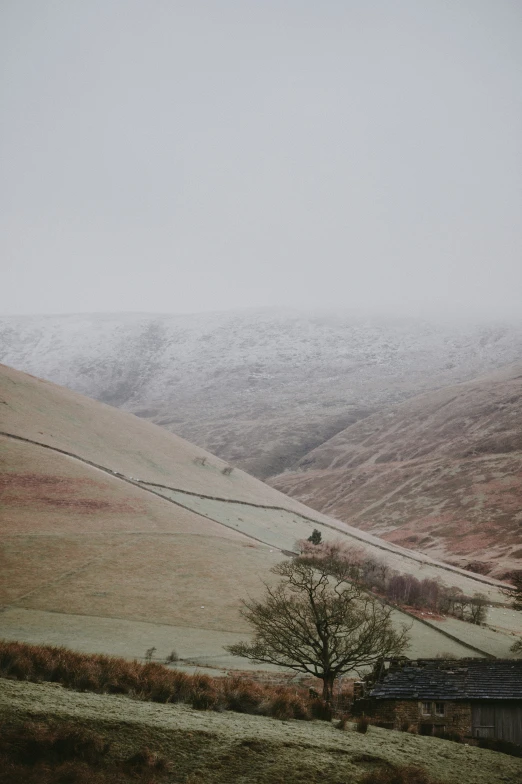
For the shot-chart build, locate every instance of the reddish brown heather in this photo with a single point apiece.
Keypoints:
(35, 753)
(153, 682)
(441, 473)
(60, 492)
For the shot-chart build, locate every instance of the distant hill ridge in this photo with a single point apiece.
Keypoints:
(441, 473)
(259, 388)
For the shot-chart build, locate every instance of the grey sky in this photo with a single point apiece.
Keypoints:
(159, 155)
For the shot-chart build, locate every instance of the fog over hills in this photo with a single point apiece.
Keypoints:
(259, 388)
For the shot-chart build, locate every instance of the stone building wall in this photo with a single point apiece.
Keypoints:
(401, 714)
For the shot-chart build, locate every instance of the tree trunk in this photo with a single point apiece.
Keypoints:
(328, 683)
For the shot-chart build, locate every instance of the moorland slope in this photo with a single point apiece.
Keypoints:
(441, 473)
(118, 536)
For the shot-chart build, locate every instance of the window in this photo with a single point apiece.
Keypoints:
(426, 708)
(439, 708)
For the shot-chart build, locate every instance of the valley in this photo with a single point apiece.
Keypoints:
(441, 473)
(110, 522)
(258, 388)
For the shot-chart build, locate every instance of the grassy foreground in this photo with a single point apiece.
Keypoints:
(143, 741)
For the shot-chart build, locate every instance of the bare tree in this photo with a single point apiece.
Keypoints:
(478, 611)
(514, 591)
(400, 589)
(315, 621)
(517, 647)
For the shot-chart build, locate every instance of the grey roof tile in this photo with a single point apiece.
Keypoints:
(463, 679)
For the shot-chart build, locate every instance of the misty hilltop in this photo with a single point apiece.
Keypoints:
(259, 388)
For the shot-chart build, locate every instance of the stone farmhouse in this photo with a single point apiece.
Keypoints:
(478, 698)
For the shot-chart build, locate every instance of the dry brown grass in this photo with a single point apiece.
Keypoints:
(363, 722)
(402, 774)
(455, 449)
(153, 682)
(69, 754)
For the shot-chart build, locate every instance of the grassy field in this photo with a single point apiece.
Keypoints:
(203, 747)
(282, 527)
(106, 563)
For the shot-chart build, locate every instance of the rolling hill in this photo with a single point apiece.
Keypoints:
(207, 747)
(441, 473)
(118, 536)
(259, 388)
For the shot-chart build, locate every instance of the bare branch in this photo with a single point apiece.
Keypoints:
(317, 622)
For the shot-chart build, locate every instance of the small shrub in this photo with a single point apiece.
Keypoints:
(362, 725)
(404, 774)
(21, 668)
(244, 697)
(203, 700)
(343, 721)
(147, 759)
(172, 657)
(300, 709)
(320, 709)
(281, 707)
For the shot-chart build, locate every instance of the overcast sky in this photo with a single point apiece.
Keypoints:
(171, 156)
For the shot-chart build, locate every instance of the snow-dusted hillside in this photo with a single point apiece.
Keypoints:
(259, 388)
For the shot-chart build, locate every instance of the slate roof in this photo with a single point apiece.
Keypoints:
(463, 679)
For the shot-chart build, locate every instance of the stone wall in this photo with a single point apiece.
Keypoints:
(412, 714)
